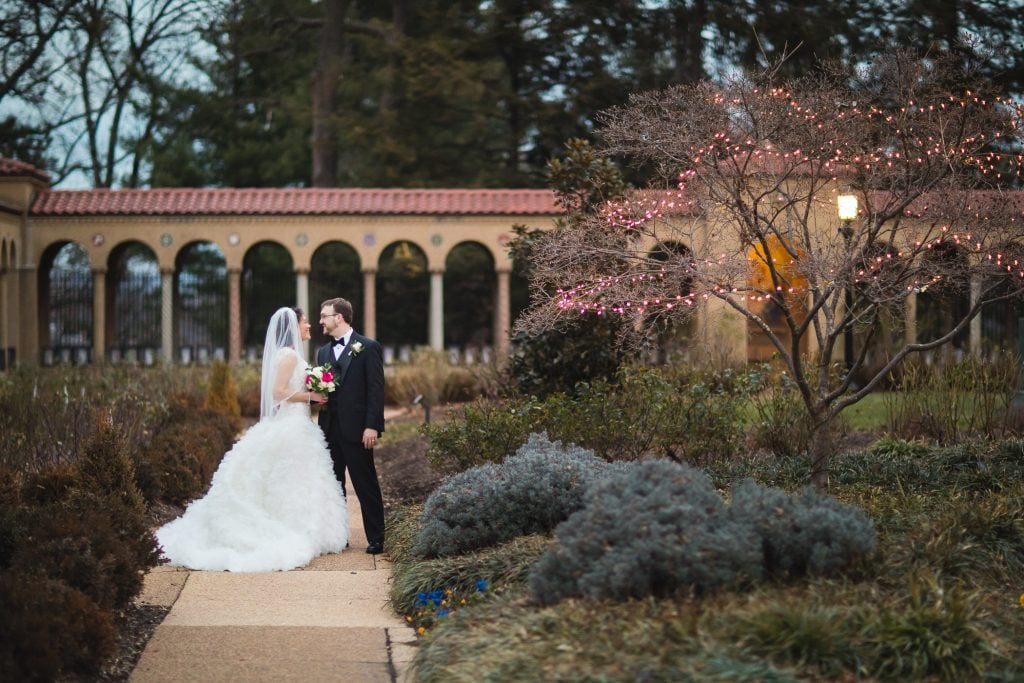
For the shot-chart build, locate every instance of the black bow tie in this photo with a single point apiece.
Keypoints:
(339, 343)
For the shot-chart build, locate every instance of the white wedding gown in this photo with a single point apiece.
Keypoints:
(274, 502)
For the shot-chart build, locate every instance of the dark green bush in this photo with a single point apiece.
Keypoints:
(530, 492)
(643, 412)
(646, 412)
(489, 431)
(655, 528)
(557, 361)
(47, 627)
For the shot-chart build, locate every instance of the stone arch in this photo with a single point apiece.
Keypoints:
(470, 292)
(403, 296)
(268, 283)
(335, 270)
(200, 303)
(944, 298)
(133, 292)
(65, 289)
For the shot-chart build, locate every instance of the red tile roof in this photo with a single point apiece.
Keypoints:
(14, 168)
(188, 201)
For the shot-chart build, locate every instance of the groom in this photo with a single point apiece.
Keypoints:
(353, 418)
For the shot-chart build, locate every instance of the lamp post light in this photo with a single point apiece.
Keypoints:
(847, 205)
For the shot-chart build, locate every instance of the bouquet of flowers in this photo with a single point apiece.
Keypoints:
(320, 379)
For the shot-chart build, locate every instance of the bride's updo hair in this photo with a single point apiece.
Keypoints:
(299, 314)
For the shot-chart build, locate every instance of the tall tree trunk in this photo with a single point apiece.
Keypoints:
(401, 15)
(326, 76)
(689, 43)
(822, 446)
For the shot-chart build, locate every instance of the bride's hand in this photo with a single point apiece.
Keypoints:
(317, 398)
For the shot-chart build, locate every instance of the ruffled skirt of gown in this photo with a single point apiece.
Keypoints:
(274, 503)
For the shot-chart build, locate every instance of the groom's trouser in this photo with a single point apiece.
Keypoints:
(350, 456)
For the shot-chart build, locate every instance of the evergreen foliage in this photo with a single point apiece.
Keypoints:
(655, 528)
(805, 533)
(530, 492)
(47, 627)
(659, 528)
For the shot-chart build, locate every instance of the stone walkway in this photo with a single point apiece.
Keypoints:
(328, 621)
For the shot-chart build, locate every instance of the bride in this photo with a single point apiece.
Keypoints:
(274, 502)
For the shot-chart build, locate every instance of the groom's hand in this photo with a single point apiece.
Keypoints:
(369, 438)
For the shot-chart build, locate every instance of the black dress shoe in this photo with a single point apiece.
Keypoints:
(375, 548)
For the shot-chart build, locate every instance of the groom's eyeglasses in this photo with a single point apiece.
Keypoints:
(332, 315)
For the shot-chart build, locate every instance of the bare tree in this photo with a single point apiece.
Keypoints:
(100, 75)
(27, 28)
(751, 230)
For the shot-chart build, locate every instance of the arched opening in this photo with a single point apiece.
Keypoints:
(403, 294)
(133, 299)
(268, 283)
(672, 333)
(65, 304)
(470, 288)
(200, 303)
(335, 271)
(794, 292)
(943, 301)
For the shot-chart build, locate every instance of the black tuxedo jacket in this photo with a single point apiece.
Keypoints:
(357, 401)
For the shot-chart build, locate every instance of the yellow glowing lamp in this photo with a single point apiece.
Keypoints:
(847, 206)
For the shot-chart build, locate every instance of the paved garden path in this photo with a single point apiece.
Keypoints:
(328, 621)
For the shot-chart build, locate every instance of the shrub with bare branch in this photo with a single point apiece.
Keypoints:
(750, 233)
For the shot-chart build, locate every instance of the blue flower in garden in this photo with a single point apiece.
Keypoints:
(421, 598)
(435, 597)
(481, 585)
(443, 612)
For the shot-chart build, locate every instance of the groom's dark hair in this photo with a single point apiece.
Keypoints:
(341, 306)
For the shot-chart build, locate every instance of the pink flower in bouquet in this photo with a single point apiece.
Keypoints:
(321, 379)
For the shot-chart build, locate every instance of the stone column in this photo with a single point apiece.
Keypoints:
(5, 314)
(28, 315)
(99, 315)
(167, 315)
(234, 315)
(436, 335)
(974, 338)
(302, 300)
(302, 291)
(370, 303)
(502, 316)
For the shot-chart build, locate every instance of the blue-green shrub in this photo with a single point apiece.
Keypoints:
(530, 492)
(806, 533)
(655, 528)
(660, 528)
